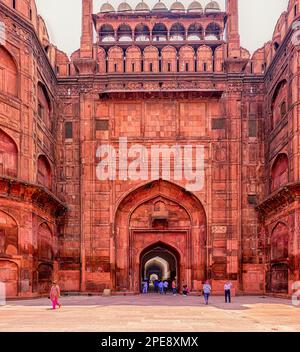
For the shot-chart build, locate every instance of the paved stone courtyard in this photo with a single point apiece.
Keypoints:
(151, 313)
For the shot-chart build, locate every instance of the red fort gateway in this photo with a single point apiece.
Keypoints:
(156, 76)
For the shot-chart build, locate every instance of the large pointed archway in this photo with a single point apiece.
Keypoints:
(161, 261)
(164, 213)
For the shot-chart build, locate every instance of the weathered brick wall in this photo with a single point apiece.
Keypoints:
(24, 64)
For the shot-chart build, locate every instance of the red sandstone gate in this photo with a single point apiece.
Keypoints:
(161, 214)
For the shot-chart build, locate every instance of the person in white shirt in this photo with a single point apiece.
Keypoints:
(227, 289)
(206, 291)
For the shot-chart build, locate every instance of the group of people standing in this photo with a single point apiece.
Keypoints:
(207, 289)
(160, 286)
(163, 286)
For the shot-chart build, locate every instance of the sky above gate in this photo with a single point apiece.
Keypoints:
(63, 17)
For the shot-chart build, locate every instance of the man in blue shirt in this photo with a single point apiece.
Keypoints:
(206, 291)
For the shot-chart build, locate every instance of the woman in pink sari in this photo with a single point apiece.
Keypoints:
(54, 295)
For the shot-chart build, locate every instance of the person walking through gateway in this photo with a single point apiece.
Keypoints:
(161, 287)
(54, 295)
(174, 287)
(206, 291)
(227, 289)
(166, 285)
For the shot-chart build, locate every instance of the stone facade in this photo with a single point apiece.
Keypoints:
(161, 77)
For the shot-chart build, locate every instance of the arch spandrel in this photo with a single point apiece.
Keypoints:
(168, 212)
(166, 189)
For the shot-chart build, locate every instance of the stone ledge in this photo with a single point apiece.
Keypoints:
(285, 195)
(16, 189)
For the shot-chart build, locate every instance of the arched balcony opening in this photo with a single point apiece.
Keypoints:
(141, 33)
(204, 59)
(124, 33)
(8, 73)
(8, 156)
(195, 32)
(159, 32)
(169, 59)
(219, 59)
(280, 171)
(44, 105)
(186, 59)
(151, 59)
(213, 32)
(44, 173)
(115, 60)
(177, 32)
(279, 105)
(133, 60)
(107, 33)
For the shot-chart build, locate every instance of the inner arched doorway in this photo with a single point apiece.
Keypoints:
(159, 212)
(159, 262)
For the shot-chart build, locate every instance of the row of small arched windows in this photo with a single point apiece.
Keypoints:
(159, 32)
(153, 60)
